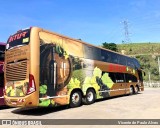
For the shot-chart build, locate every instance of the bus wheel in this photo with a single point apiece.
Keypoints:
(136, 90)
(131, 90)
(90, 97)
(75, 99)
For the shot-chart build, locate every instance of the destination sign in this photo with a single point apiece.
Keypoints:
(19, 39)
(17, 36)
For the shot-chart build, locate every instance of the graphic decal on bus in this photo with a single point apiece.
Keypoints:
(55, 74)
(17, 88)
(61, 73)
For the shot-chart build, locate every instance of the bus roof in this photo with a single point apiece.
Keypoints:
(80, 41)
(76, 40)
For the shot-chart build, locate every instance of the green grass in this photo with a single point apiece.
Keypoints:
(147, 54)
(140, 48)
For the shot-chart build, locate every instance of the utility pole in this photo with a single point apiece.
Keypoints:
(126, 32)
(159, 65)
(149, 76)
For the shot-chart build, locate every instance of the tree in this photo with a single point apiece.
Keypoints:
(149, 64)
(111, 46)
(130, 49)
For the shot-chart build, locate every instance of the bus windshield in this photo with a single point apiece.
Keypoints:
(19, 39)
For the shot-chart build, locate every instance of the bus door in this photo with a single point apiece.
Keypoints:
(120, 81)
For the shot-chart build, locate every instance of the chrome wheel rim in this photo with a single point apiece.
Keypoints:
(75, 98)
(90, 96)
(131, 90)
(136, 90)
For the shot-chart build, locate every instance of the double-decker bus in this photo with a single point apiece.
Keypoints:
(2, 49)
(43, 68)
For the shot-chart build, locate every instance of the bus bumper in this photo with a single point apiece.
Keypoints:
(27, 101)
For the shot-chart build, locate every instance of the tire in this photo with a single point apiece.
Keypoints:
(136, 90)
(90, 97)
(131, 90)
(75, 99)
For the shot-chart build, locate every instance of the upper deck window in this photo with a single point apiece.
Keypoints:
(92, 53)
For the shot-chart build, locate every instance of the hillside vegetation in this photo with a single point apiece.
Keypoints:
(147, 54)
(140, 48)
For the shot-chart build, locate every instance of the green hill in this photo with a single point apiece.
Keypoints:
(147, 54)
(140, 48)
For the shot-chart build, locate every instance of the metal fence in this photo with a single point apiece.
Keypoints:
(154, 84)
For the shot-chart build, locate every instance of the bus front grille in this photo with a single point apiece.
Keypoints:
(16, 71)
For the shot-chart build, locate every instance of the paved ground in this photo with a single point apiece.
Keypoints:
(145, 105)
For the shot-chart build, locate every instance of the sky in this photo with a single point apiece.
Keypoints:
(92, 21)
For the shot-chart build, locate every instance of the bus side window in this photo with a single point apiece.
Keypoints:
(97, 54)
(130, 63)
(114, 58)
(105, 56)
(121, 60)
(92, 52)
(130, 78)
(120, 78)
(136, 63)
(88, 52)
(112, 76)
